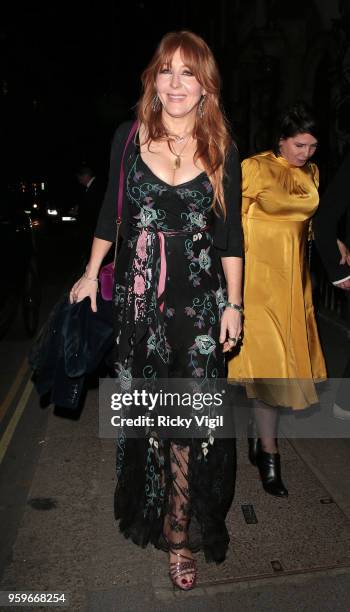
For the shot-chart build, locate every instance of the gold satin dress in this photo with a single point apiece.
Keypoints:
(280, 339)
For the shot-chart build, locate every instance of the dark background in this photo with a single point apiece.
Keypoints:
(70, 73)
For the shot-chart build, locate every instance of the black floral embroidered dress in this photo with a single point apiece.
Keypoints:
(169, 296)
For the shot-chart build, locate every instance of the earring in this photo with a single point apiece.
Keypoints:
(155, 103)
(201, 107)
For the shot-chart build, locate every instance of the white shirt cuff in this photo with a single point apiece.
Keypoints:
(341, 280)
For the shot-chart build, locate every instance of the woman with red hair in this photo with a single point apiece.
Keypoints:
(177, 295)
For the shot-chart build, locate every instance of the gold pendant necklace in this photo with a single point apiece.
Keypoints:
(177, 160)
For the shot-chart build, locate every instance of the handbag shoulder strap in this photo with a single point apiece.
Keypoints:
(131, 134)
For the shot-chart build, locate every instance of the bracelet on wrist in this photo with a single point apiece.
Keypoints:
(237, 307)
(89, 278)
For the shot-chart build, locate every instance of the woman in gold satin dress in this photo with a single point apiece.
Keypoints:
(280, 357)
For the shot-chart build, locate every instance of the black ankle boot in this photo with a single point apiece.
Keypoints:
(252, 442)
(269, 465)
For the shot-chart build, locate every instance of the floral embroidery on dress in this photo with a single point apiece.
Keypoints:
(195, 198)
(169, 329)
(154, 489)
(119, 300)
(121, 439)
(141, 193)
(125, 377)
(156, 343)
(220, 298)
(201, 310)
(203, 345)
(198, 263)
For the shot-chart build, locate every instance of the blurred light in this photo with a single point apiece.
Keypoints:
(52, 211)
(42, 186)
(35, 223)
(27, 212)
(35, 206)
(68, 219)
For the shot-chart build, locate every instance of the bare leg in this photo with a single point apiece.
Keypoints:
(266, 422)
(177, 520)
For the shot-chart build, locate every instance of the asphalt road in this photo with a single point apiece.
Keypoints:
(59, 265)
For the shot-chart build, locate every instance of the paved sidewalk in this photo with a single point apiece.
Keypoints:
(68, 539)
(295, 558)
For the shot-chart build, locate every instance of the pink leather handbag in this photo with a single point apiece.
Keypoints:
(106, 275)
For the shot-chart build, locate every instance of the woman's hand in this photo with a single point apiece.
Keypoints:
(344, 252)
(230, 328)
(86, 286)
(231, 320)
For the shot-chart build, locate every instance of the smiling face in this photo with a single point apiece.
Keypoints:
(298, 149)
(178, 88)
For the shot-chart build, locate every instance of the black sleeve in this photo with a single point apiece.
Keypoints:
(333, 204)
(106, 223)
(228, 235)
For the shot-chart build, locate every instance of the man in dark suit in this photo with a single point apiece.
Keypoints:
(333, 209)
(334, 205)
(89, 205)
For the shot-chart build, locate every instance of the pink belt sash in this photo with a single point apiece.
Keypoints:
(163, 261)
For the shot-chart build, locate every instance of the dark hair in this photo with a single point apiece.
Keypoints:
(296, 119)
(84, 170)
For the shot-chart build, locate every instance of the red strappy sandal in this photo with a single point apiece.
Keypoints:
(178, 570)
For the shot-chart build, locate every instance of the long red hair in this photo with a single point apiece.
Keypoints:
(210, 131)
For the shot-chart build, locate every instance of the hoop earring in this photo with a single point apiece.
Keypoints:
(201, 107)
(156, 103)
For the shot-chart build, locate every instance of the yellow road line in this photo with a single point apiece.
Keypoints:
(13, 389)
(7, 437)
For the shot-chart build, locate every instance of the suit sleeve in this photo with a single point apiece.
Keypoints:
(228, 238)
(106, 223)
(334, 203)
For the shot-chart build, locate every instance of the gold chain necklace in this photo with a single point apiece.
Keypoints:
(177, 160)
(179, 138)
